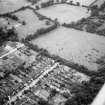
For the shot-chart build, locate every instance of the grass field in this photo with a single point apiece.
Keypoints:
(32, 23)
(76, 46)
(11, 5)
(30, 18)
(7, 22)
(65, 13)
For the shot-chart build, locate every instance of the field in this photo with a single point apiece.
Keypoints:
(32, 23)
(76, 46)
(4, 22)
(65, 13)
(11, 5)
(99, 2)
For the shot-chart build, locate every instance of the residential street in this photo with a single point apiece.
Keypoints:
(33, 83)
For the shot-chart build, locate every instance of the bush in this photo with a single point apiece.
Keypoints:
(94, 12)
(78, 4)
(40, 32)
(37, 7)
(43, 102)
(7, 35)
(102, 7)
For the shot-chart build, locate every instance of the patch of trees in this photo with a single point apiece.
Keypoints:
(41, 17)
(101, 17)
(63, 1)
(89, 90)
(94, 12)
(62, 61)
(91, 28)
(94, 7)
(102, 7)
(53, 92)
(7, 35)
(12, 12)
(43, 102)
(33, 1)
(78, 4)
(51, 2)
(40, 32)
(86, 24)
(71, 2)
(46, 4)
(3, 100)
(14, 17)
(72, 25)
(101, 32)
(37, 7)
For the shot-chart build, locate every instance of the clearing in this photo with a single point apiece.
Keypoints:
(73, 45)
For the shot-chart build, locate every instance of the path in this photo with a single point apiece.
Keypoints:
(11, 51)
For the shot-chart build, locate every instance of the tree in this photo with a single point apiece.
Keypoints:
(53, 92)
(94, 7)
(71, 2)
(66, 94)
(71, 101)
(78, 4)
(94, 10)
(37, 7)
(7, 34)
(57, 1)
(102, 7)
(23, 23)
(12, 103)
(43, 102)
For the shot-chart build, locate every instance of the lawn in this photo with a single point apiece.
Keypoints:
(65, 13)
(73, 45)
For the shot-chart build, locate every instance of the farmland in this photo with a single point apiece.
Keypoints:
(11, 5)
(73, 45)
(32, 23)
(4, 22)
(65, 13)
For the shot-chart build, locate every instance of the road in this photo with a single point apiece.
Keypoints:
(33, 83)
(15, 49)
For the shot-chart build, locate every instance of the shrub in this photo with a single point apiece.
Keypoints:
(78, 4)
